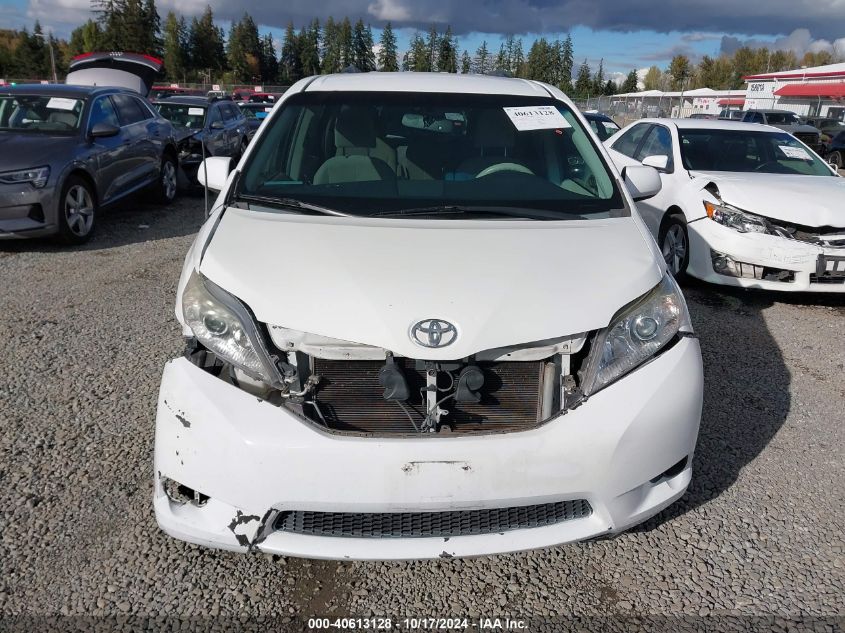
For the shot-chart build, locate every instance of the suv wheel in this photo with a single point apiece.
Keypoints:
(836, 158)
(77, 211)
(166, 187)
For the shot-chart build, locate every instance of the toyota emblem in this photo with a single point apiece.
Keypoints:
(433, 333)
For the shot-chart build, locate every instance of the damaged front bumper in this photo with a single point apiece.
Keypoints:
(722, 255)
(625, 454)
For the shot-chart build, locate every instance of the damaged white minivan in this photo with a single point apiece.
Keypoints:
(424, 320)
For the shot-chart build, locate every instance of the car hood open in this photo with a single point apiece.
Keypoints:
(807, 200)
(369, 280)
(123, 70)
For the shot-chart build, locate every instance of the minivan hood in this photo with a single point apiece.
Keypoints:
(368, 280)
(806, 200)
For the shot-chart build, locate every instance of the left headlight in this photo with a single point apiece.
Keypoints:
(224, 325)
(635, 335)
(736, 219)
(37, 176)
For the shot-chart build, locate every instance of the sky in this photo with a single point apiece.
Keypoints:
(626, 34)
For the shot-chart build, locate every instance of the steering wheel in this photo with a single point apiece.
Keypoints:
(499, 167)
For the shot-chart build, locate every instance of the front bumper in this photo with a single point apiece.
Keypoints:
(26, 211)
(768, 251)
(252, 459)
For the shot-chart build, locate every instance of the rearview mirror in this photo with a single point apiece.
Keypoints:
(213, 172)
(104, 130)
(643, 182)
(659, 162)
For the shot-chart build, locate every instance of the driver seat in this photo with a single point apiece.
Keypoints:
(355, 139)
(494, 138)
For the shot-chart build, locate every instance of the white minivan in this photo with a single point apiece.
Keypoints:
(424, 320)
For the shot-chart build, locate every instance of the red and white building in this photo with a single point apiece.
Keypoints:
(818, 91)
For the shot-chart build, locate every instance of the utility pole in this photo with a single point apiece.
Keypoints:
(49, 41)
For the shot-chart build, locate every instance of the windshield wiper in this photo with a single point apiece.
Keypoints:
(291, 203)
(448, 209)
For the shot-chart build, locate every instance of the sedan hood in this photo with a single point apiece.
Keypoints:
(807, 200)
(369, 280)
(21, 151)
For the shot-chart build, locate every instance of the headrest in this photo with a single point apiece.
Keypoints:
(494, 129)
(355, 127)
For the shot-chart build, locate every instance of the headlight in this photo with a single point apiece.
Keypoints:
(37, 176)
(223, 325)
(636, 334)
(737, 219)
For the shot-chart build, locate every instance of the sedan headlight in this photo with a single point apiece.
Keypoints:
(37, 176)
(224, 325)
(737, 219)
(635, 335)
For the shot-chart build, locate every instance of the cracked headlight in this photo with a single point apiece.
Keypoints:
(224, 326)
(635, 335)
(37, 176)
(736, 219)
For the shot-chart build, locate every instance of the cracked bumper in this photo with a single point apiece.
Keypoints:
(252, 459)
(761, 250)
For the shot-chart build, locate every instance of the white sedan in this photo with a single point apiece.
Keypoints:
(741, 204)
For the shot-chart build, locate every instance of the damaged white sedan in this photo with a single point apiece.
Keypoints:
(424, 319)
(741, 204)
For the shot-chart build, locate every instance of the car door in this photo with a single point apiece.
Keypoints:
(111, 155)
(658, 142)
(152, 141)
(134, 132)
(216, 143)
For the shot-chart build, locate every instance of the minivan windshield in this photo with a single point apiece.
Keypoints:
(743, 151)
(367, 153)
(40, 113)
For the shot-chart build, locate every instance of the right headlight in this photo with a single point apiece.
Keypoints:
(635, 335)
(224, 326)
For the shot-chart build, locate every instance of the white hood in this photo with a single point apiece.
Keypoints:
(808, 200)
(369, 280)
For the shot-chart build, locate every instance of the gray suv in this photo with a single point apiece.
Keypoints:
(789, 122)
(69, 150)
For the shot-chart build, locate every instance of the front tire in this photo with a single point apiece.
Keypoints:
(674, 245)
(166, 188)
(77, 211)
(837, 159)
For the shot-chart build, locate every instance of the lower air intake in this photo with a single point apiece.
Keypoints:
(430, 524)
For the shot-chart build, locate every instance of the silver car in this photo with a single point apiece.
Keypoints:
(68, 150)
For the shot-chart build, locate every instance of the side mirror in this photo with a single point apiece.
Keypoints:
(217, 125)
(104, 130)
(213, 172)
(659, 162)
(643, 182)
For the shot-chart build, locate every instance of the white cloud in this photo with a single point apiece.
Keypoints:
(389, 10)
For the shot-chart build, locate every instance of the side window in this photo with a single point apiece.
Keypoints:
(657, 143)
(128, 109)
(144, 108)
(627, 143)
(756, 117)
(214, 114)
(226, 110)
(102, 111)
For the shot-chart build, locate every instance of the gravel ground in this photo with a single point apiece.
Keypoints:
(87, 331)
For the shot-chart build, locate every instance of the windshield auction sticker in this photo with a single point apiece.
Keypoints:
(195, 111)
(536, 118)
(60, 103)
(795, 152)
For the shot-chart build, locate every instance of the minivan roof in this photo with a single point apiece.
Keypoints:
(427, 82)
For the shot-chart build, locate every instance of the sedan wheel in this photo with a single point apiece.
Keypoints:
(77, 211)
(675, 247)
(836, 158)
(167, 183)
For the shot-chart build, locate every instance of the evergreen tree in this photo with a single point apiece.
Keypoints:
(432, 49)
(679, 69)
(566, 61)
(583, 83)
(244, 49)
(447, 53)
(630, 83)
(362, 47)
(388, 55)
(175, 47)
(290, 63)
(309, 49)
(205, 46)
(347, 50)
(416, 59)
(332, 54)
(466, 63)
(269, 61)
(151, 39)
(482, 62)
(609, 88)
(598, 80)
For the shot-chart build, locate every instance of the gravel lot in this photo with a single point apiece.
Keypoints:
(87, 331)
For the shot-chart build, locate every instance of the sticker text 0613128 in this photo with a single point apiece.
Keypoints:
(544, 117)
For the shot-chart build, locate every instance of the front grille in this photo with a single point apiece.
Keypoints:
(830, 269)
(351, 400)
(430, 524)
